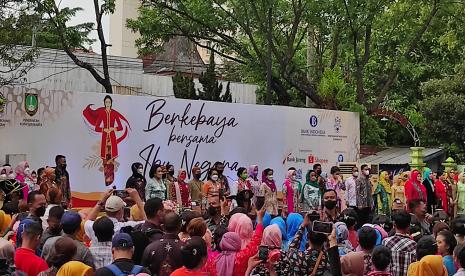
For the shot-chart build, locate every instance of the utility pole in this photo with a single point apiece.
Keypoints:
(269, 64)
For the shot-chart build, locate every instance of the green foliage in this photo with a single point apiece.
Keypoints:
(211, 87)
(183, 87)
(443, 108)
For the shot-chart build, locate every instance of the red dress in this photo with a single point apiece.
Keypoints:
(104, 119)
(242, 257)
(412, 187)
(441, 192)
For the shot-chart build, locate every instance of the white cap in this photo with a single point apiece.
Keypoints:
(114, 204)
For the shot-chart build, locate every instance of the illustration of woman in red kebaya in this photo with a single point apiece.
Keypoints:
(109, 122)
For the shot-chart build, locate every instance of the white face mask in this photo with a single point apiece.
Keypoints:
(140, 171)
(355, 174)
(270, 177)
(214, 177)
(27, 171)
(366, 172)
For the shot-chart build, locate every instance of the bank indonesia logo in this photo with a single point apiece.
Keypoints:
(337, 124)
(313, 121)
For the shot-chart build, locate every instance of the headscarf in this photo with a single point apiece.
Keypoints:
(416, 184)
(294, 220)
(396, 180)
(230, 244)
(134, 168)
(308, 182)
(289, 175)
(272, 236)
(244, 229)
(384, 182)
(7, 250)
(19, 170)
(342, 233)
(460, 179)
(234, 221)
(279, 221)
(271, 184)
(252, 173)
(430, 265)
(426, 174)
(74, 268)
(266, 220)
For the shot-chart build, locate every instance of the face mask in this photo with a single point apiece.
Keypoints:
(212, 211)
(27, 171)
(197, 175)
(63, 166)
(140, 171)
(330, 204)
(214, 177)
(270, 177)
(355, 174)
(182, 177)
(244, 177)
(40, 211)
(366, 172)
(220, 172)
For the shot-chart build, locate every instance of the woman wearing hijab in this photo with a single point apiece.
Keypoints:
(342, 236)
(440, 190)
(430, 265)
(23, 175)
(451, 191)
(398, 188)
(48, 180)
(254, 181)
(429, 186)
(234, 255)
(137, 180)
(461, 194)
(380, 196)
(293, 223)
(268, 190)
(75, 268)
(180, 190)
(291, 192)
(279, 221)
(65, 249)
(311, 196)
(272, 239)
(414, 188)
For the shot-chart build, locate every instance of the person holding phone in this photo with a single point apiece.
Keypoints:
(315, 260)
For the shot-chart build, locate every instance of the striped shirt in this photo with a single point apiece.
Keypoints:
(403, 250)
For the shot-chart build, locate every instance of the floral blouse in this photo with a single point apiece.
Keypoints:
(155, 188)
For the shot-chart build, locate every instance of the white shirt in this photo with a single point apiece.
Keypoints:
(45, 216)
(351, 191)
(118, 225)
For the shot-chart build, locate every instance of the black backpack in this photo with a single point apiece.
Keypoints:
(141, 239)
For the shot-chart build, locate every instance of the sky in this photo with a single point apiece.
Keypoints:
(87, 15)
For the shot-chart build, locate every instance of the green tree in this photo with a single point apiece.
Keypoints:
(58, 20)
(443, 108)
(212, 89)
(183, 87)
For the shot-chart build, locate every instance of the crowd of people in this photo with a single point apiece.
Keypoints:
(367, 224)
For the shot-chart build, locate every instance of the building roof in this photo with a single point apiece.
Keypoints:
(398, 156)
(179, 54)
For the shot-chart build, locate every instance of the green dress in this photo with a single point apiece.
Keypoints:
(381, 200)
(461, 198)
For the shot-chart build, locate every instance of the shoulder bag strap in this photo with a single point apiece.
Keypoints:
(315, 268)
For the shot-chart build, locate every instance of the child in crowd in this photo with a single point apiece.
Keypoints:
(381, 258)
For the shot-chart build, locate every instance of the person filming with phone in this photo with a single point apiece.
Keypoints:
(316, 259)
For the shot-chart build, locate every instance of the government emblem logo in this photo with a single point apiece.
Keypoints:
(31, 103)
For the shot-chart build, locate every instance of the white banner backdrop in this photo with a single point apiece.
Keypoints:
(42, 124)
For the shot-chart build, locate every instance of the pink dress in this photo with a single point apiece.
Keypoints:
(289, 191)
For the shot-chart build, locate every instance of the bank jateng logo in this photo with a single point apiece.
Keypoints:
(31, 103)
